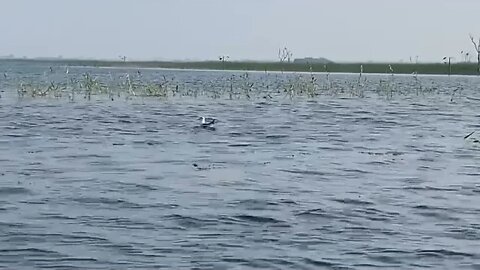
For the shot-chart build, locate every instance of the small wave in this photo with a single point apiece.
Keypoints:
(375, 214)
(14, 191)
(352, 201)
(107, 201)
(190, 222)
(17, 135)
(306, 172)
(258, 219)
(428, 207)
(82, 156)
(355, 171)
(116, 222)
(442, 253)
(236, 260)
(123, 121)
(148, 142)
(287, 201)
(384, 259)
(387, 153)
(28, 250)
(466, 233)
(317, 213)
(68, 128)
(235, 134)
(378, 163)
(136, 187)
(436, 212)
(77, 259)
(239, 144)
(319, 263)
(16, 225)
(430, 188)
(388, 251)
(57, 216)
(252, 204)
(277, 136)
(272, 262)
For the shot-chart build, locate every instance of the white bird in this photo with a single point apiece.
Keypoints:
(207, 121)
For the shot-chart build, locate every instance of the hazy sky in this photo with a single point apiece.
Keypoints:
(341, 30)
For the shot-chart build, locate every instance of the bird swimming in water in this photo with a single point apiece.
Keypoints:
(207, 122)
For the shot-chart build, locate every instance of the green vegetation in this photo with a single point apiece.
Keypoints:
(268, 86)
(400, 68)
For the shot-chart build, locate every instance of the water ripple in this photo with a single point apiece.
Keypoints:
(326, 183)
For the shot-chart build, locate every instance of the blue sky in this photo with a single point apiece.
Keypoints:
(341, 30)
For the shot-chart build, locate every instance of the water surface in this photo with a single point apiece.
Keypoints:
(324, 183)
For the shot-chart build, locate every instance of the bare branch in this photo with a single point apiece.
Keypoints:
(477, 49)
(476, 45)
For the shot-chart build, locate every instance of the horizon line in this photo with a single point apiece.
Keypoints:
(112, 60)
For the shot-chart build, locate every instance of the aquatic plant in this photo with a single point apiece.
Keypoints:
(387, 87)
(418, 85)
(133, 85)
(27, 89)
(91, 85)
(231, 93)
(327, 84)
(246, 86)
(158, 89)
(357, 89)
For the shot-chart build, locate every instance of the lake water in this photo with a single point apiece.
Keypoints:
(331, 182)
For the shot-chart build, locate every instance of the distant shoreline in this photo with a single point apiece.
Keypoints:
(377, 68)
